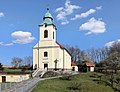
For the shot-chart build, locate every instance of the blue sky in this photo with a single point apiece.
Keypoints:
(82, 23)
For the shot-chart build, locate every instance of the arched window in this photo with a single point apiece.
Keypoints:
(46, 34)
(45, 54)
(45, 25)
(53, 35)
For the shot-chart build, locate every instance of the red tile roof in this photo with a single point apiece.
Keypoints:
(89, 64)
(73, 64)
(62, 47)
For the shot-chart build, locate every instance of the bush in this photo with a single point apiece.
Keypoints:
(94, 75)
(66, 76)
(75, 86)
(50, 74)
(1, 67)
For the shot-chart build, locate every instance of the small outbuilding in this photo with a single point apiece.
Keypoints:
(74, 66)
(89, 66)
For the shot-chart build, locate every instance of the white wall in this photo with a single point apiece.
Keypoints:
(14, 78)
(76, 68)
(91, 69)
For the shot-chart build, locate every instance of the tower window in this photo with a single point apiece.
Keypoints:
(53, 35)
(45, 25)
(46, 34)
(45, 54)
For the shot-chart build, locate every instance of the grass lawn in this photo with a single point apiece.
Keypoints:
(16, 71)
(12, 70)
(84, 81)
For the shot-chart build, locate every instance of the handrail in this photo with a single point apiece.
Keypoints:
(35, 72)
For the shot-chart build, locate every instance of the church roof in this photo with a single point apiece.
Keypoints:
(47, 19)
(48, 14)
(62, 47)
(73, 63)
(90, 64)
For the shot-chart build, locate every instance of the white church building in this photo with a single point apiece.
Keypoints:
(48, 53)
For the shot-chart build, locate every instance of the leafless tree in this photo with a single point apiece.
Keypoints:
(16, 61)
(77, 55)
(115, 47)
(28, 61)
(99, 54)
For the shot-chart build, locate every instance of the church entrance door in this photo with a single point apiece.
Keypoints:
(46, 66)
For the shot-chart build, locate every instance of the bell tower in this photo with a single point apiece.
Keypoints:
(48, 54)
(47, 28)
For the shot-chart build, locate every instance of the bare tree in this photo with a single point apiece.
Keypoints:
(16, 61)
(77, 55)
(115, 47)
(92, 53)
(28, 61)
(99, 54)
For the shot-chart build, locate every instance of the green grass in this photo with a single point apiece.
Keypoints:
(6, 70)
(87, 85)
(12, 70)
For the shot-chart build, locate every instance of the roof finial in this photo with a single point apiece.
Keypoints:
(48, 7)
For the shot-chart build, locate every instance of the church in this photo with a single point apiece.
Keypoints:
(48, 54)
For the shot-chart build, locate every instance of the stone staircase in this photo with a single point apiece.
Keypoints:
(38, 73)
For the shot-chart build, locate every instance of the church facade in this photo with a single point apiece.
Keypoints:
(48, 53)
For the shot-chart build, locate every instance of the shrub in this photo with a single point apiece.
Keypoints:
(50, 74)
(75, 86)
(66, 76)
(1, 67)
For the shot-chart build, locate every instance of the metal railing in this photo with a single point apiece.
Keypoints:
(36, 72)
(4, 86)
(23, 86)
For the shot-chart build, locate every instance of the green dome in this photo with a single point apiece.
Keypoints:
(48, 15)
(47, 19)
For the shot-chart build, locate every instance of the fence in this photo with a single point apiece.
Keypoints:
(23, 86)
(4, 86)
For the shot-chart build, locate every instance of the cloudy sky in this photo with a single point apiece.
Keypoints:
(83, 23)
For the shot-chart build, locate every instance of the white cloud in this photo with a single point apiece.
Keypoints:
(94, 26)
(84, 15)
(109, 44)
(59, 9)
(22, 37)
(2, 14)
(99, 8)
(64, 22)
(118, 40)
(4, 44)
(63, 12)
